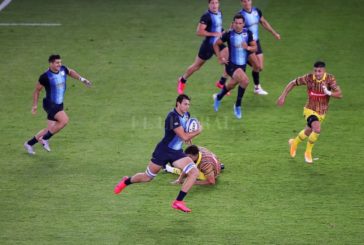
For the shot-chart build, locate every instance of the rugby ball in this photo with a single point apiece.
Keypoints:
(192, 125)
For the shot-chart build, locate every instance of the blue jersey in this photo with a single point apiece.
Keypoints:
(174, 120)
(252, 20)
(237, 54)
(213, 22)
(55, 84)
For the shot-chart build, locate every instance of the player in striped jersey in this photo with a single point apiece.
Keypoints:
(207, 163)
(320, 87)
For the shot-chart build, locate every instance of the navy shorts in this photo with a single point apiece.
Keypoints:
(163, 155)
(206, 50)
(259, 48)
(52, 109)
(231, 68)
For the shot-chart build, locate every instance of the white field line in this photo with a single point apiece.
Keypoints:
(6, 3)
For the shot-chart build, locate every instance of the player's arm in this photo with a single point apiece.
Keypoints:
(287, 89)
(269, 28)
(72, 73)
(201, 31)
(38, 88)
(333, 90)
(210, 180)
(187, 136)
(216, 46)
(252, 47)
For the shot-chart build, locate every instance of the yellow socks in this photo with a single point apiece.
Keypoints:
(311, 141)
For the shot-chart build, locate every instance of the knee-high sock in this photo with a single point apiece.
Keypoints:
(311, 141)
(300, 137)
(239, 98)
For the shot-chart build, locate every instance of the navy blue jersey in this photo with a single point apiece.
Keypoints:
(213, 22)
(252, 20)
(237, 54)
(55, 84)
(174, 120)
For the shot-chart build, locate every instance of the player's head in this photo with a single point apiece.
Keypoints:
(214, 5)
(55, 62)
(319, 69)
(238, 22)
(247, 4)
(192, 151)
(183, 103)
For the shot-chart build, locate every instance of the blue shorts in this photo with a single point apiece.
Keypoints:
(52, 109)
(207, 50)
(163, 155)
(231, 68)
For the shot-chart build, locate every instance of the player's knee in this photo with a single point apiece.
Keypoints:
(149, 175)
(313, 120)
(191, 170)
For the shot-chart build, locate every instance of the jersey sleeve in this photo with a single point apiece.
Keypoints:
(259, 13)
(332, 85)
(225, 37)
(302, 80)
(66, 70)
(43, 79)
(172, 121)
(205, 19)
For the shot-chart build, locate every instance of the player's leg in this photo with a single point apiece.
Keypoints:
(149, 174)
(225, 54)
(240, 76)
(28, 145)
(302, 135)
(189, 168)
(313, 136)
(257, 61)
(230, 68)
(196, 65)
(55, 124)
(173, 170)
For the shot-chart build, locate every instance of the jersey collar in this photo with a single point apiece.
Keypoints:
(199, 159)
(317, 80)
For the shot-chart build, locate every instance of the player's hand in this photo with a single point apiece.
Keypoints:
(176, 182)
(34, 110)
(277, 36)
(280, 101)
(199, 127)
(223, 60)
(326, 90)
(217, 34)
(87, 83)
(245, 46)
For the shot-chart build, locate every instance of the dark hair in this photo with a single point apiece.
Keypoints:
(192, 150)
(182, 97)
(209, 1)
(239, 16)
(54, 57)
(319, 64)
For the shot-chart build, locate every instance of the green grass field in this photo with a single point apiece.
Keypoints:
(133, 51)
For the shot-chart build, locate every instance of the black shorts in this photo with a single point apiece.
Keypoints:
(207, 50)
(163, 155)
(52, 109)
(231, 68)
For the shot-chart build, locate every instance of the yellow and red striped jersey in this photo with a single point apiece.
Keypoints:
(208, 162)
(317, 100)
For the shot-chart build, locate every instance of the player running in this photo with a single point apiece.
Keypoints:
(169, 150)
(240, 42)
(210, 27)
(54, 82)
(320, 87)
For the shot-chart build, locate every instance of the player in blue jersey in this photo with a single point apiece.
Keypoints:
(54, 82)
(210, 27)
(169, 150)
(240, 42)
(253, 16)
